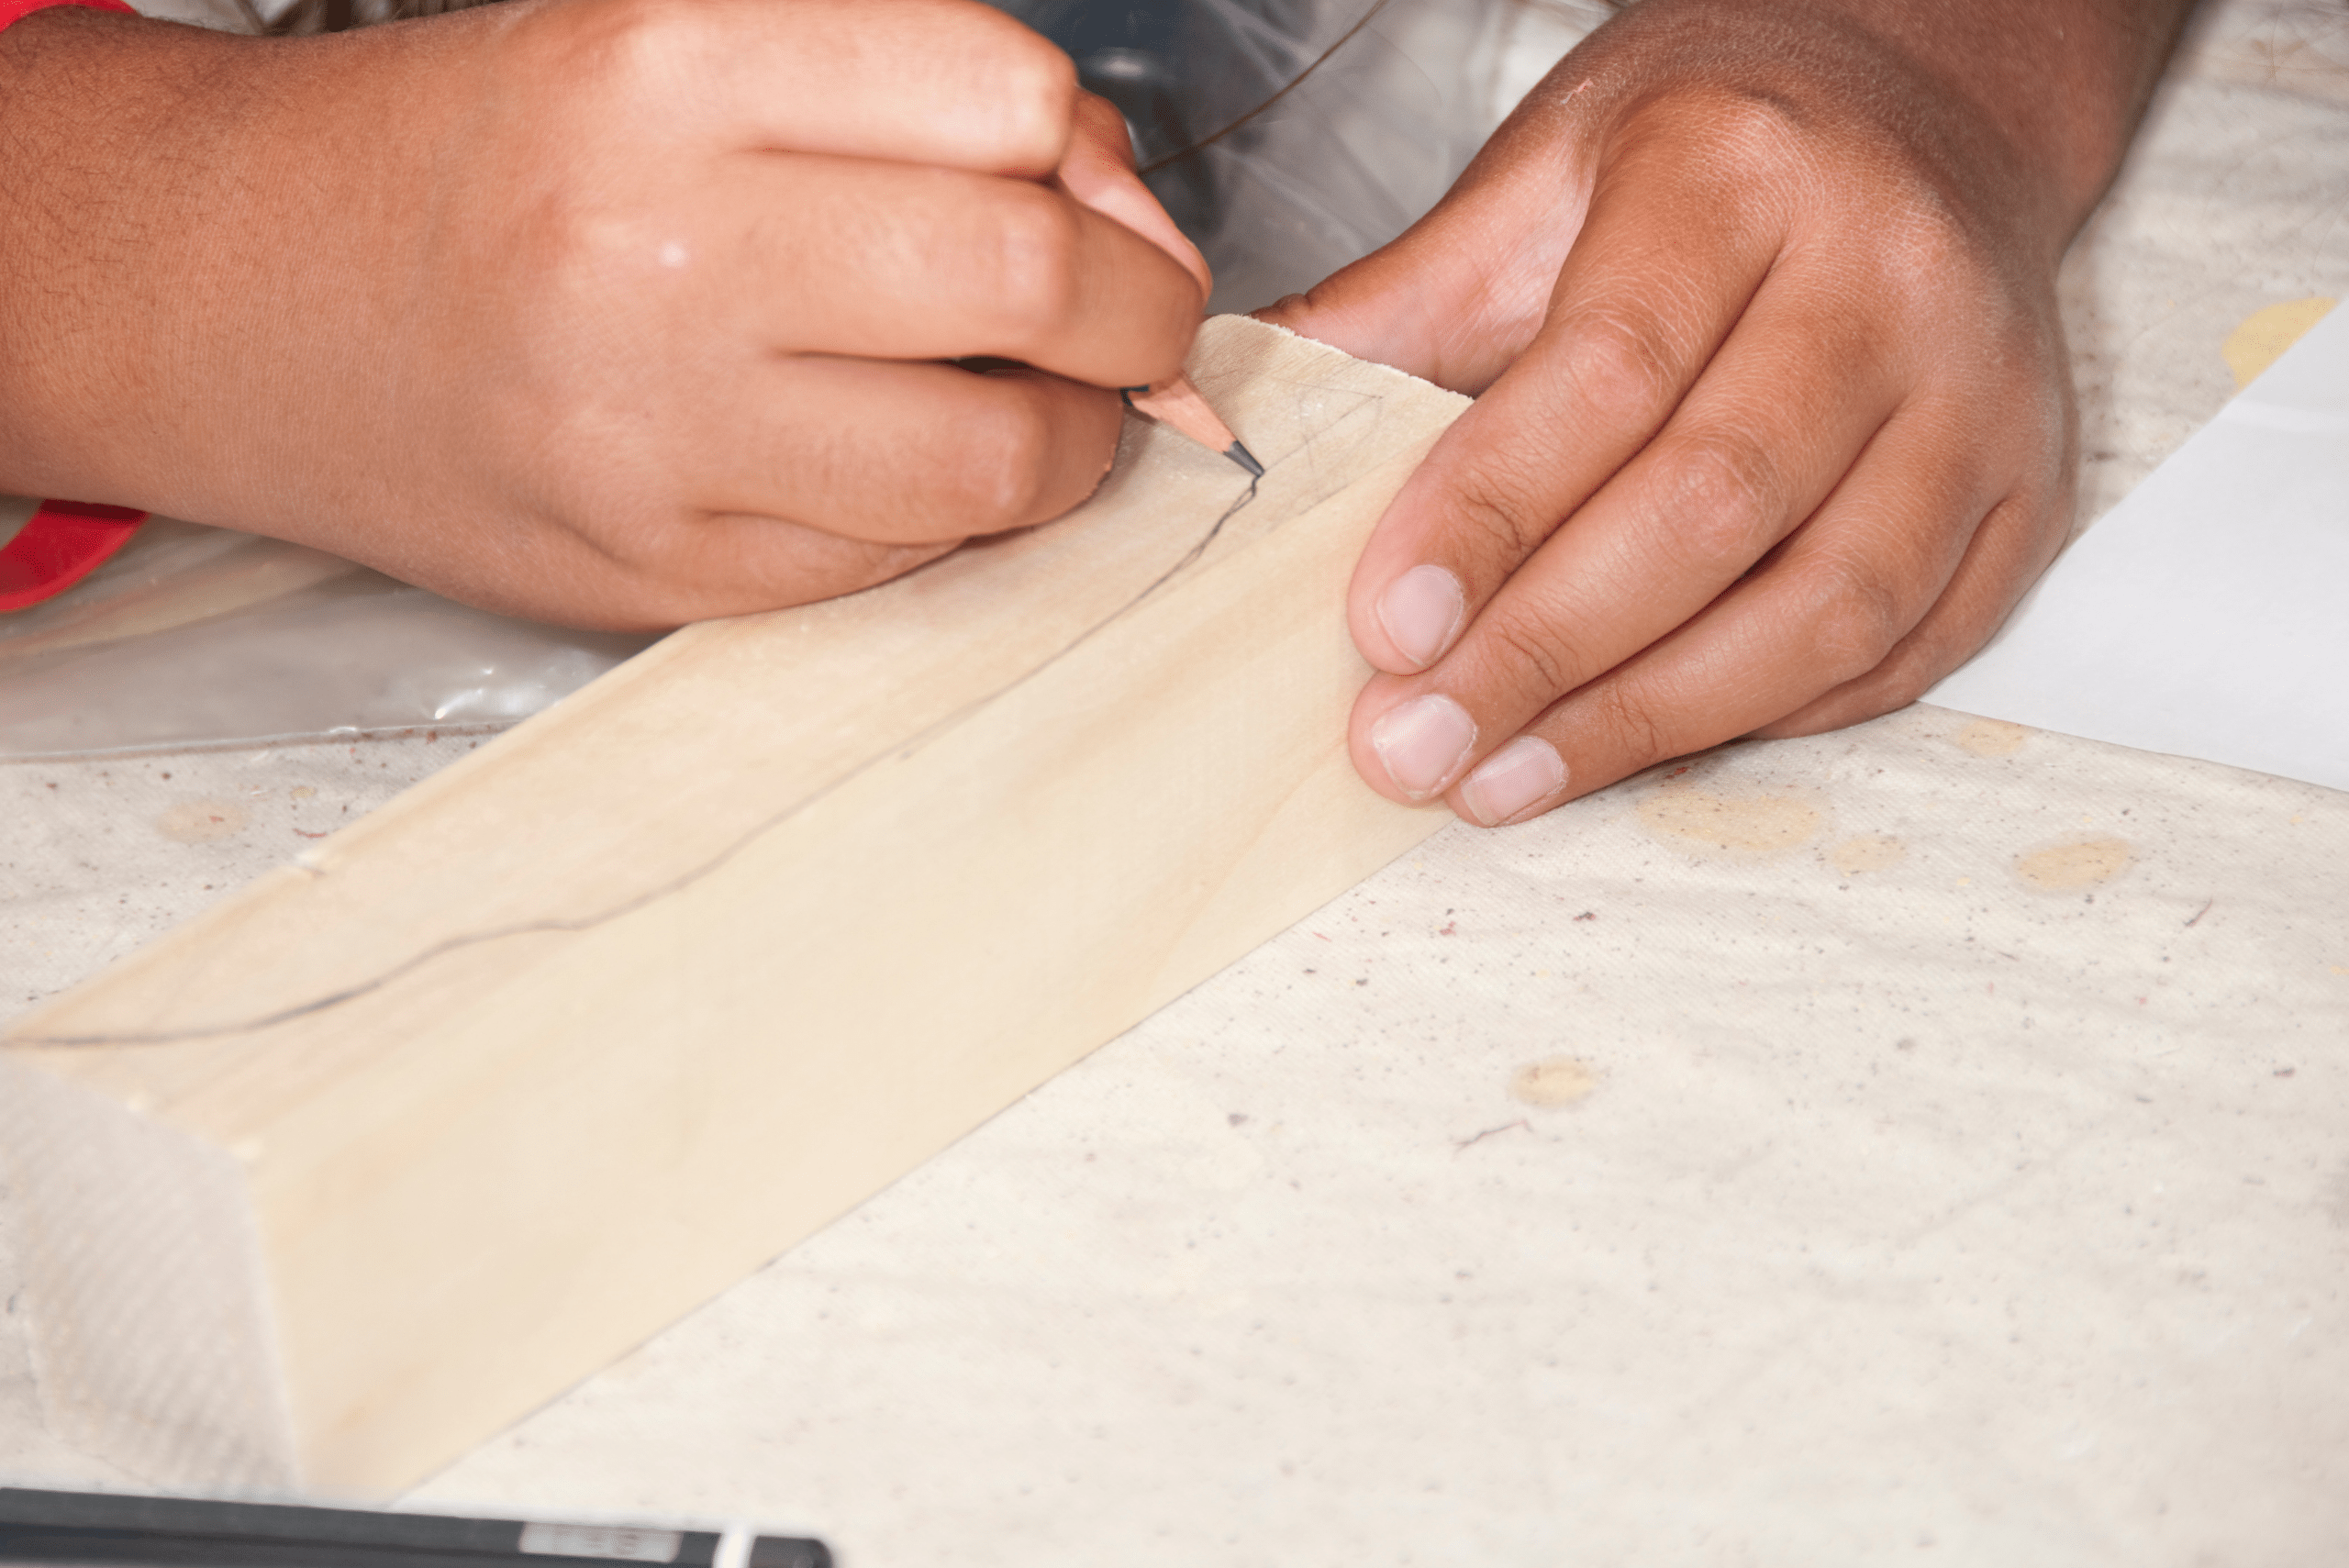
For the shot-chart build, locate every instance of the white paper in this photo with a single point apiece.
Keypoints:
(2208, 614)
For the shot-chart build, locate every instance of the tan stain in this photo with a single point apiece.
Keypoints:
(202, 821)
(1746, 825)
(2260, 338)
(2067, 868)
(1555, 1082)
(1869, 851)
(1993, 738)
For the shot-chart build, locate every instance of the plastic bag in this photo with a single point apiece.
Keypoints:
(1287, 136)
(194, 637)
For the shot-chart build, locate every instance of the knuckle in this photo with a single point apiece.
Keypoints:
(1536, 659)
(1921, 249)
(1495, 503)
(1904, 677)
(1028, 66)
(1034, 86)
(1849, 616)
(1725, 500)
(1029, 258)
(1008, 491)
(1752, 123)
(1908, 679)
(1932, 239)
(1048, 78)
(1637, 739)
(641, 46)
(1614, 362)
(997, 474)
(1727, 129)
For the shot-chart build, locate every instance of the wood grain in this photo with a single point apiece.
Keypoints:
(577, 1033)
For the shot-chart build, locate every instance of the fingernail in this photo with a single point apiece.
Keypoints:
(1524, 773)
(1422, 611)
(1423, 742)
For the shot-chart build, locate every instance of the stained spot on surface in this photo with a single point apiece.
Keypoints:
(1555, 1082)
(1869, 851)
(2263, 335)
(2067, 868)
(1747, 826)
(1993, 738)
(202, 821)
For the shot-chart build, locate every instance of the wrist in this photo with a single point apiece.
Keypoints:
(2063, 83)
(2019, 108)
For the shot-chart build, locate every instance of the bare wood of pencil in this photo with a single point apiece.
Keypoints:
(1178, 403)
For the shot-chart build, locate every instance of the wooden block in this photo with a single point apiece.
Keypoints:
(404, 1139)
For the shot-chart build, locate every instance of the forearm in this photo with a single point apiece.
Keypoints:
(93, 185)
(161, 190)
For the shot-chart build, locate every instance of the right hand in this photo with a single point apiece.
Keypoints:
(617, 313)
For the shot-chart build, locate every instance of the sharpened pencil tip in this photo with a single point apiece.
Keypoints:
(1245, 459)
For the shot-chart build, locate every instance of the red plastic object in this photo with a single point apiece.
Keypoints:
(17, 10)
(65, 541)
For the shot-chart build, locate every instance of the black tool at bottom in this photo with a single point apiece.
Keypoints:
(68, 1529)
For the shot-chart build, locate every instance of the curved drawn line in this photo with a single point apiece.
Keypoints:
(898, 751)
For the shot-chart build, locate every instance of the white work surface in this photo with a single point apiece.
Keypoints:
(1927, 1140)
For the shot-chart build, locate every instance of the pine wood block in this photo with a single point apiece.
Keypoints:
(401, 1141)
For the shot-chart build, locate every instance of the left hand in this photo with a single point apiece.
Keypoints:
(1774, 421)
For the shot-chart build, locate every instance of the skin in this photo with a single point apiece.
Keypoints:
(615, 313)
(1774, 421)
(628, 311)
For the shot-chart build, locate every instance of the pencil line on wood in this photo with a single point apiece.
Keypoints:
(684, 879)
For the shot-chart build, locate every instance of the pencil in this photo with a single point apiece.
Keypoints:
(1178, 403)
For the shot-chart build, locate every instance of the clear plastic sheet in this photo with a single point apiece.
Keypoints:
(1287, 136)
(196, 636)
